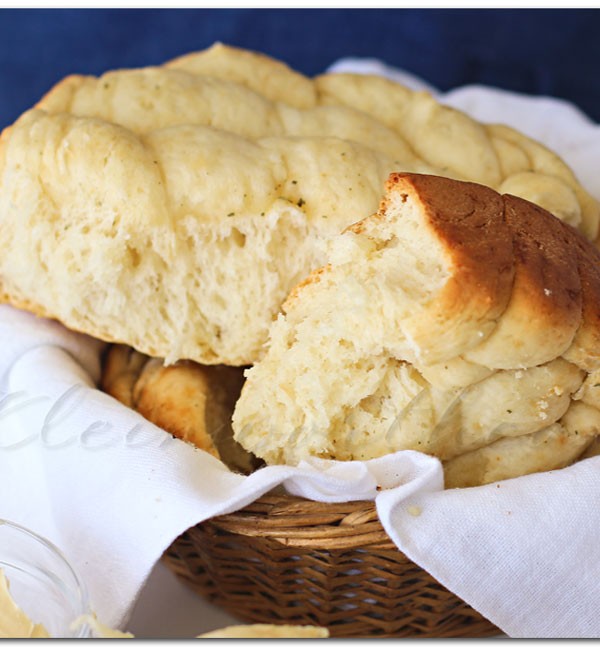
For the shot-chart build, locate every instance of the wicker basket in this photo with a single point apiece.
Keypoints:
(284, 559)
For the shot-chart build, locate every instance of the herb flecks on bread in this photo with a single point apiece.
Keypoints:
(455, 321)
(173, 208)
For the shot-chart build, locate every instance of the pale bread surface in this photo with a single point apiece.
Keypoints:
(449, 322)
(173, 208)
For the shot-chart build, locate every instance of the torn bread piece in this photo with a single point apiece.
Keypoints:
(172, 208)
(442, 323)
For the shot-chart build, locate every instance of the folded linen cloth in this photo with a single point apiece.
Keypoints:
(113, 491)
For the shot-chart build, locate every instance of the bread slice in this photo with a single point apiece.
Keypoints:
(441, 323)
(192, 402)
(173, 208)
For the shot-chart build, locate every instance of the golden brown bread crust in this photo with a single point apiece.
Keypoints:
(121, 369)
(175, 399)
(515, 267)
(132, 171)
(190, 401)
(455, 321)
(471, 226)
(546, 292)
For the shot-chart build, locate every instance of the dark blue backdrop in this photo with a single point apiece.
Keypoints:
(537, 51)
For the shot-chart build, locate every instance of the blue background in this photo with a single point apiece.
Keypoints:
(536, 51)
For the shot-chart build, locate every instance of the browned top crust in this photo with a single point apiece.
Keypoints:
(546, 291)
(116, 193)
(455, 321)
(514, 266)
(471, 226)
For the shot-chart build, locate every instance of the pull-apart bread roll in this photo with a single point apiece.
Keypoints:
(455, 321)
(173, 208)
(191, 401)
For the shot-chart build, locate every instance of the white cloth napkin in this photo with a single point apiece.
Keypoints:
(113, 491)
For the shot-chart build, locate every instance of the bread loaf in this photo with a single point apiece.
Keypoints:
(192, 402)
(455, 321)
(173, 208)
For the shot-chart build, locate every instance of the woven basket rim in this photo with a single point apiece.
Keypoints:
(293, 520)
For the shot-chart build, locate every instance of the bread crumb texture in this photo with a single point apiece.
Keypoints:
(173, 208)
(455, 321)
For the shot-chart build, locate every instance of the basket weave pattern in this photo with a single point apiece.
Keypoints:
(284, 559)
